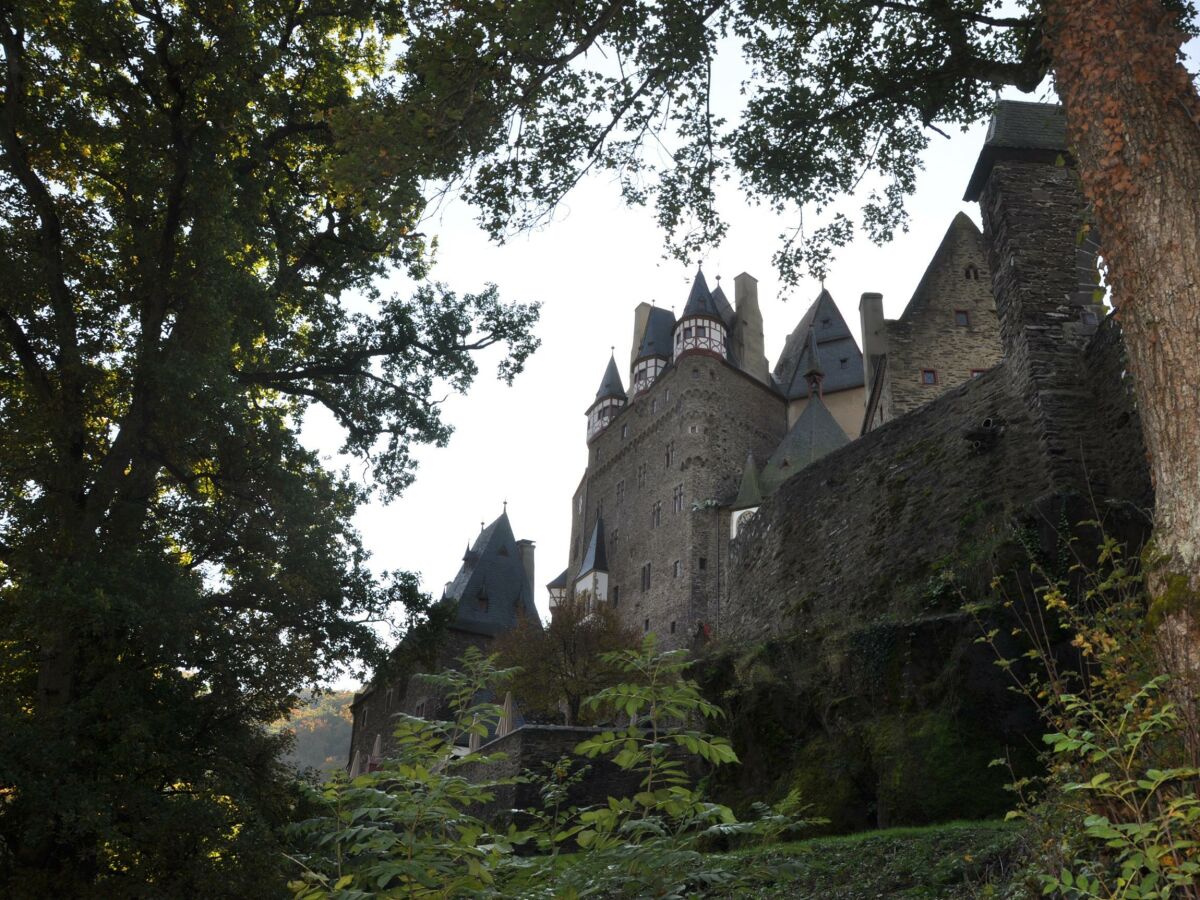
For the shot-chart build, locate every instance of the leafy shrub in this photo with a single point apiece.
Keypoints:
(1117, 813)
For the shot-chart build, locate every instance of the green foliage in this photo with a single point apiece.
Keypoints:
(195, 203)
(414, 828)
(1118, 812)
(406, 829)
(956, 860)
(565, 660)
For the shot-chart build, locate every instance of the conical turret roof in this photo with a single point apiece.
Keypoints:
(595, 558)
(611, 385)
(656, 338)
(815, 434)
(700, 301)
(749, 493)
(724, 306)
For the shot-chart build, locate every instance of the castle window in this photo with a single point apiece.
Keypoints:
(695, 372)
(687, 333)
(656, 514)
(482, 601)
(670, 453)
(620, 491)
(676, 569)
(667, 396)
(624, 431)
(1088, 317)
(929, 376)
(646, 625)
(971, 273)
(615, 535)
(844, 362)
(641, 476)
(654, 406)
(672, 628)
(646, 577)
(701, 331)
(677, 499)
(975, 373)
(703, 563)
(825, 323)
(962, 317)
(616, 596)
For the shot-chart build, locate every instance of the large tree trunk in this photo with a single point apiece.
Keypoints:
(1133, 119)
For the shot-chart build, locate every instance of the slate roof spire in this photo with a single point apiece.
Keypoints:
(656, 336)
(700, 300)
(595, 558)
(610, 385)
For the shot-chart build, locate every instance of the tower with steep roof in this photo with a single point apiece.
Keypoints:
(490, 594)
(610, 399)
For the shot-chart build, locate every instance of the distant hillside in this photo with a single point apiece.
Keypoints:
(322, 729)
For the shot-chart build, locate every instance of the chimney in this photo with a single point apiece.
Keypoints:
(525, 552)
(641, 315)
(874, 339)
(748, 330)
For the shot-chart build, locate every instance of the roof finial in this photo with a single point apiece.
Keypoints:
(506, 506)
(481, 527)
(718, 279)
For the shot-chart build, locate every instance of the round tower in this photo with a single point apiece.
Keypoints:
(700, 328)
(654, 350)
(610, 400)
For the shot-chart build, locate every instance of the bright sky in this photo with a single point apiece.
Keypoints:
(589, 268)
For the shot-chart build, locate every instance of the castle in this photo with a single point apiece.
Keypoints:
(808, 515)
(706, 430)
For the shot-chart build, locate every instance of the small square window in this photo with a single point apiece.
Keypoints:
(703, 564)
(672, 628)
(929, 376)
(962, 318)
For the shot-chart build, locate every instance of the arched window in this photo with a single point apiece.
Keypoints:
(971, 272)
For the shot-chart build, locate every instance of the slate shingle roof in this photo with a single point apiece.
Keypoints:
(656, 338)
(834, 343)
(492, 569)
(815, 434)
(724, 307)
(595, 558)
(1019, 130)
(610, 385)
(700, 301)
(559, 582)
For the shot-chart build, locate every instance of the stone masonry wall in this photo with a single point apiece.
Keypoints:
(857, 535)
(927, 336)
(691, 429)
(1043, 280)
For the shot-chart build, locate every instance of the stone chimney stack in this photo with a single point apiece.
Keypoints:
(874, 339)
(1042, 278)
(641, 315)
(525, 552)
(748, 330)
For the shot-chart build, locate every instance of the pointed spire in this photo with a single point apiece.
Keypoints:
(815, 434)
(611, 385)
(700, 300)
(656, 336)
(750, 492)
(595, 558)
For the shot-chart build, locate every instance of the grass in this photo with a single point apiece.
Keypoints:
(958, 859)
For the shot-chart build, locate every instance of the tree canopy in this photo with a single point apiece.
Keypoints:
(197, 203)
